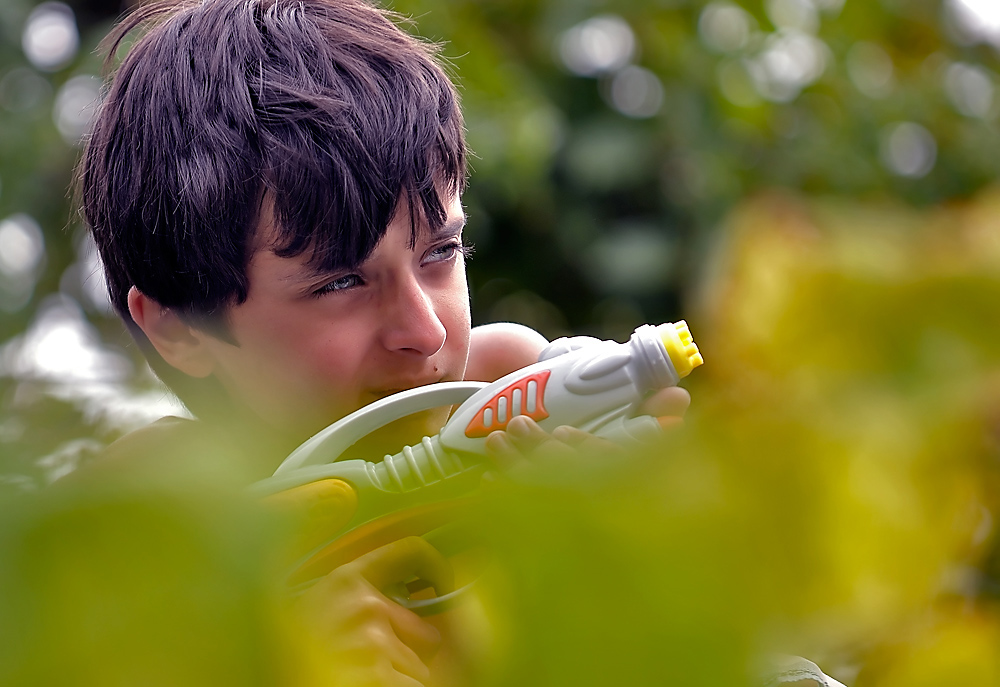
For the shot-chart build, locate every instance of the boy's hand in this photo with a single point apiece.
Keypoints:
(371, 640)
(523, 437)
(318, 510)
(667, 405)
(366, 639)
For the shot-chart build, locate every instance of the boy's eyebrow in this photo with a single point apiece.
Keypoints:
(451, 227)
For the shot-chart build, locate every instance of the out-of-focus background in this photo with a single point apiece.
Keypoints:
(612, 141)
(812, 184)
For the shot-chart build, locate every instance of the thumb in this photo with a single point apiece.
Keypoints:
(318, 509)
(672, 401)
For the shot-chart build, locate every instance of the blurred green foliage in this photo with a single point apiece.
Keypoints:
(808, 182)
(115, 586)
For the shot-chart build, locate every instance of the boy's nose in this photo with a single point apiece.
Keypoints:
(412, 322)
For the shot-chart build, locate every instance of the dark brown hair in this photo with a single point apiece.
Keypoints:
(326, 106)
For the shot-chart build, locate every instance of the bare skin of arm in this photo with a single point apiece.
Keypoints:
(500, 348)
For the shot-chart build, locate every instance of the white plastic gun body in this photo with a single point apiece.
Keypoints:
(586, 383)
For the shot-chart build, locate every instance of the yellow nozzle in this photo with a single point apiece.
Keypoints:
(681, 348)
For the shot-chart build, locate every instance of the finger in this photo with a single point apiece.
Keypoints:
(525, 434)
(585, 442)
(501, 449)
(571, 436)
(672, 401)
(329, 503)
(394, 651)
(362, 626)
(389, 674)
(531, 440)
(421, 638)
(381, 673)
(400, 561)
(518, 441)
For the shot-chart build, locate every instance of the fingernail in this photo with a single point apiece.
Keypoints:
(329, 499)
(518, 428)
(328, 506)
(498, 442)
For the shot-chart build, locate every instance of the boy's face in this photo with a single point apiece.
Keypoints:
(313, 347)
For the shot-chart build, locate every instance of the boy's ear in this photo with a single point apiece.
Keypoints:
(180, 345)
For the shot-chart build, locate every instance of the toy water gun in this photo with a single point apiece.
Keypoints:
(594, 385)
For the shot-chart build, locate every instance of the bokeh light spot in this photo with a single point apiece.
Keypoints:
(724, 27)
(599, 45)
(790, 61)
(970, 89)
(64, 350)
(63, 347)
(870, 69)
(908, 149)
(829, 6)
(76, 107)
(636, 92)
(736, 85)
(23, 89)
(50, 39)
(605, 157)
(92, 278)
(633, 260)
(22, 246)
(84, 280)
(22, 253)
(800, 15)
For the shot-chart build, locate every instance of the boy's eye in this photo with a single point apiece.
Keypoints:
(448, 251)
(346, 282)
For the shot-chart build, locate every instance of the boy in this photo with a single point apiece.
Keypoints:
(274, 187)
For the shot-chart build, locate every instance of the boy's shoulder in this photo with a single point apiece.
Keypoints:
(169, 448)
(499, 348)
(167, 433)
